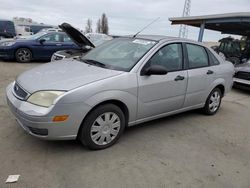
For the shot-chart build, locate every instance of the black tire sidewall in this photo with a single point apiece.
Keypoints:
(17, 58)
(206, 107)
(85, 130)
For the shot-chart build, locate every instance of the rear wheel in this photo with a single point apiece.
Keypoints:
(23, 55)
(213, 102)
(102, 127)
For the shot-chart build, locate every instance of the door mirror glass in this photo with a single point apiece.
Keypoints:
(154, 70)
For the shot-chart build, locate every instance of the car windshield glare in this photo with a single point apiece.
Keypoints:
(120, 54)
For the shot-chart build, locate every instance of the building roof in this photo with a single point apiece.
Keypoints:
(230, 23)
(5, 20)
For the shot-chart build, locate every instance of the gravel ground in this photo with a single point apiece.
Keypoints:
(185, 150)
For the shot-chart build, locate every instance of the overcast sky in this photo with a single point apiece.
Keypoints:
(125, 16)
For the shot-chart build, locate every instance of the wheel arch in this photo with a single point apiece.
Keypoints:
(116, 102)
(19, 47)
(222, 89)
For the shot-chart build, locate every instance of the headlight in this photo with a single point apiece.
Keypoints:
(7, 43)
(44, 98)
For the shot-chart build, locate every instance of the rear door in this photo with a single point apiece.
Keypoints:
(158, 94)
(199, 74)
(67, 43)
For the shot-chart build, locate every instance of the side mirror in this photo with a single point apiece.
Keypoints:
(154, 70)
(42, 41)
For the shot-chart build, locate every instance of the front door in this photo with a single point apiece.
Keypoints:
(53, 42)
(158, 94)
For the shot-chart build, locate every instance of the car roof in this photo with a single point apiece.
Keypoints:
(159, 38)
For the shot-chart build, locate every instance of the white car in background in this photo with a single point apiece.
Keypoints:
(85, 42)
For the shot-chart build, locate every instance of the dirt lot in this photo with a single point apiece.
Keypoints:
(186, 150)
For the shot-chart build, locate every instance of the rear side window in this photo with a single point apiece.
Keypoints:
(66, 38)
(197, 56)
(212, 58)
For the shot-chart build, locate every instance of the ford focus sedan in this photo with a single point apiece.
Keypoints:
(123, 82)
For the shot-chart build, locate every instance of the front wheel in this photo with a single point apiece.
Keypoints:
(102, 127)
(23, 55)
(213, 102)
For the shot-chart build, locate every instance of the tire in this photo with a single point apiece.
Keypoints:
(23, 55)
(99, 133)
(213, 102)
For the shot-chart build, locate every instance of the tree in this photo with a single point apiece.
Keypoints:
(98, 26)
(88, 27)
(102, 25)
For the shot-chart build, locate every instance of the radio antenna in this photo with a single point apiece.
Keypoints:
(146, 27)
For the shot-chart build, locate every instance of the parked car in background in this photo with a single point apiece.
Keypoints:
(120, 83)
(98, 38)
(234, 50)
(55, 29)
(85, 42)
(40, 46)
(242, 76)
(7, 29)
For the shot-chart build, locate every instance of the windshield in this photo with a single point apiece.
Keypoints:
(119, 54)
(36, 36)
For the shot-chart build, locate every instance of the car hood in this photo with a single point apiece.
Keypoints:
(15, 40)
(76, 35)
(63, 75)
(243, 67)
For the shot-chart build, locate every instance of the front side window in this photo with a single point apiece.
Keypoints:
(119, 54)
(169, 56)
(197, 56)
(53, 37)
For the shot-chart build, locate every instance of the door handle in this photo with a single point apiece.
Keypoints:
(179, 77)
(210, 72)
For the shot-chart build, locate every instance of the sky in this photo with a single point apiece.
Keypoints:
(124, 16)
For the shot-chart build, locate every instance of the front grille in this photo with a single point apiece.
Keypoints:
(243, 75)
(19, 92)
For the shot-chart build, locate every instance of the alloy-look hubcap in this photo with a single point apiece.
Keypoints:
(24, 55)
(105, 128)
(214, 101)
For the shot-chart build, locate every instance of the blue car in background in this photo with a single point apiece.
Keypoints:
(40, 46)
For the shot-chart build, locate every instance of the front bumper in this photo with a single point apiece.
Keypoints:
(56, 57)
(6, 53)
(241, 83)
(38, 121)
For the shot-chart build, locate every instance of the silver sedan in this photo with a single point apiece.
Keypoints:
(120, 83)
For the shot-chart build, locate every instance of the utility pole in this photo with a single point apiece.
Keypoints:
(183, 32)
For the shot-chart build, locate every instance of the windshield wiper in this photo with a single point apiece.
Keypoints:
(94, 62)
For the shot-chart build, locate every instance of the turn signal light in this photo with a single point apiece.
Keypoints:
(60, 118)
